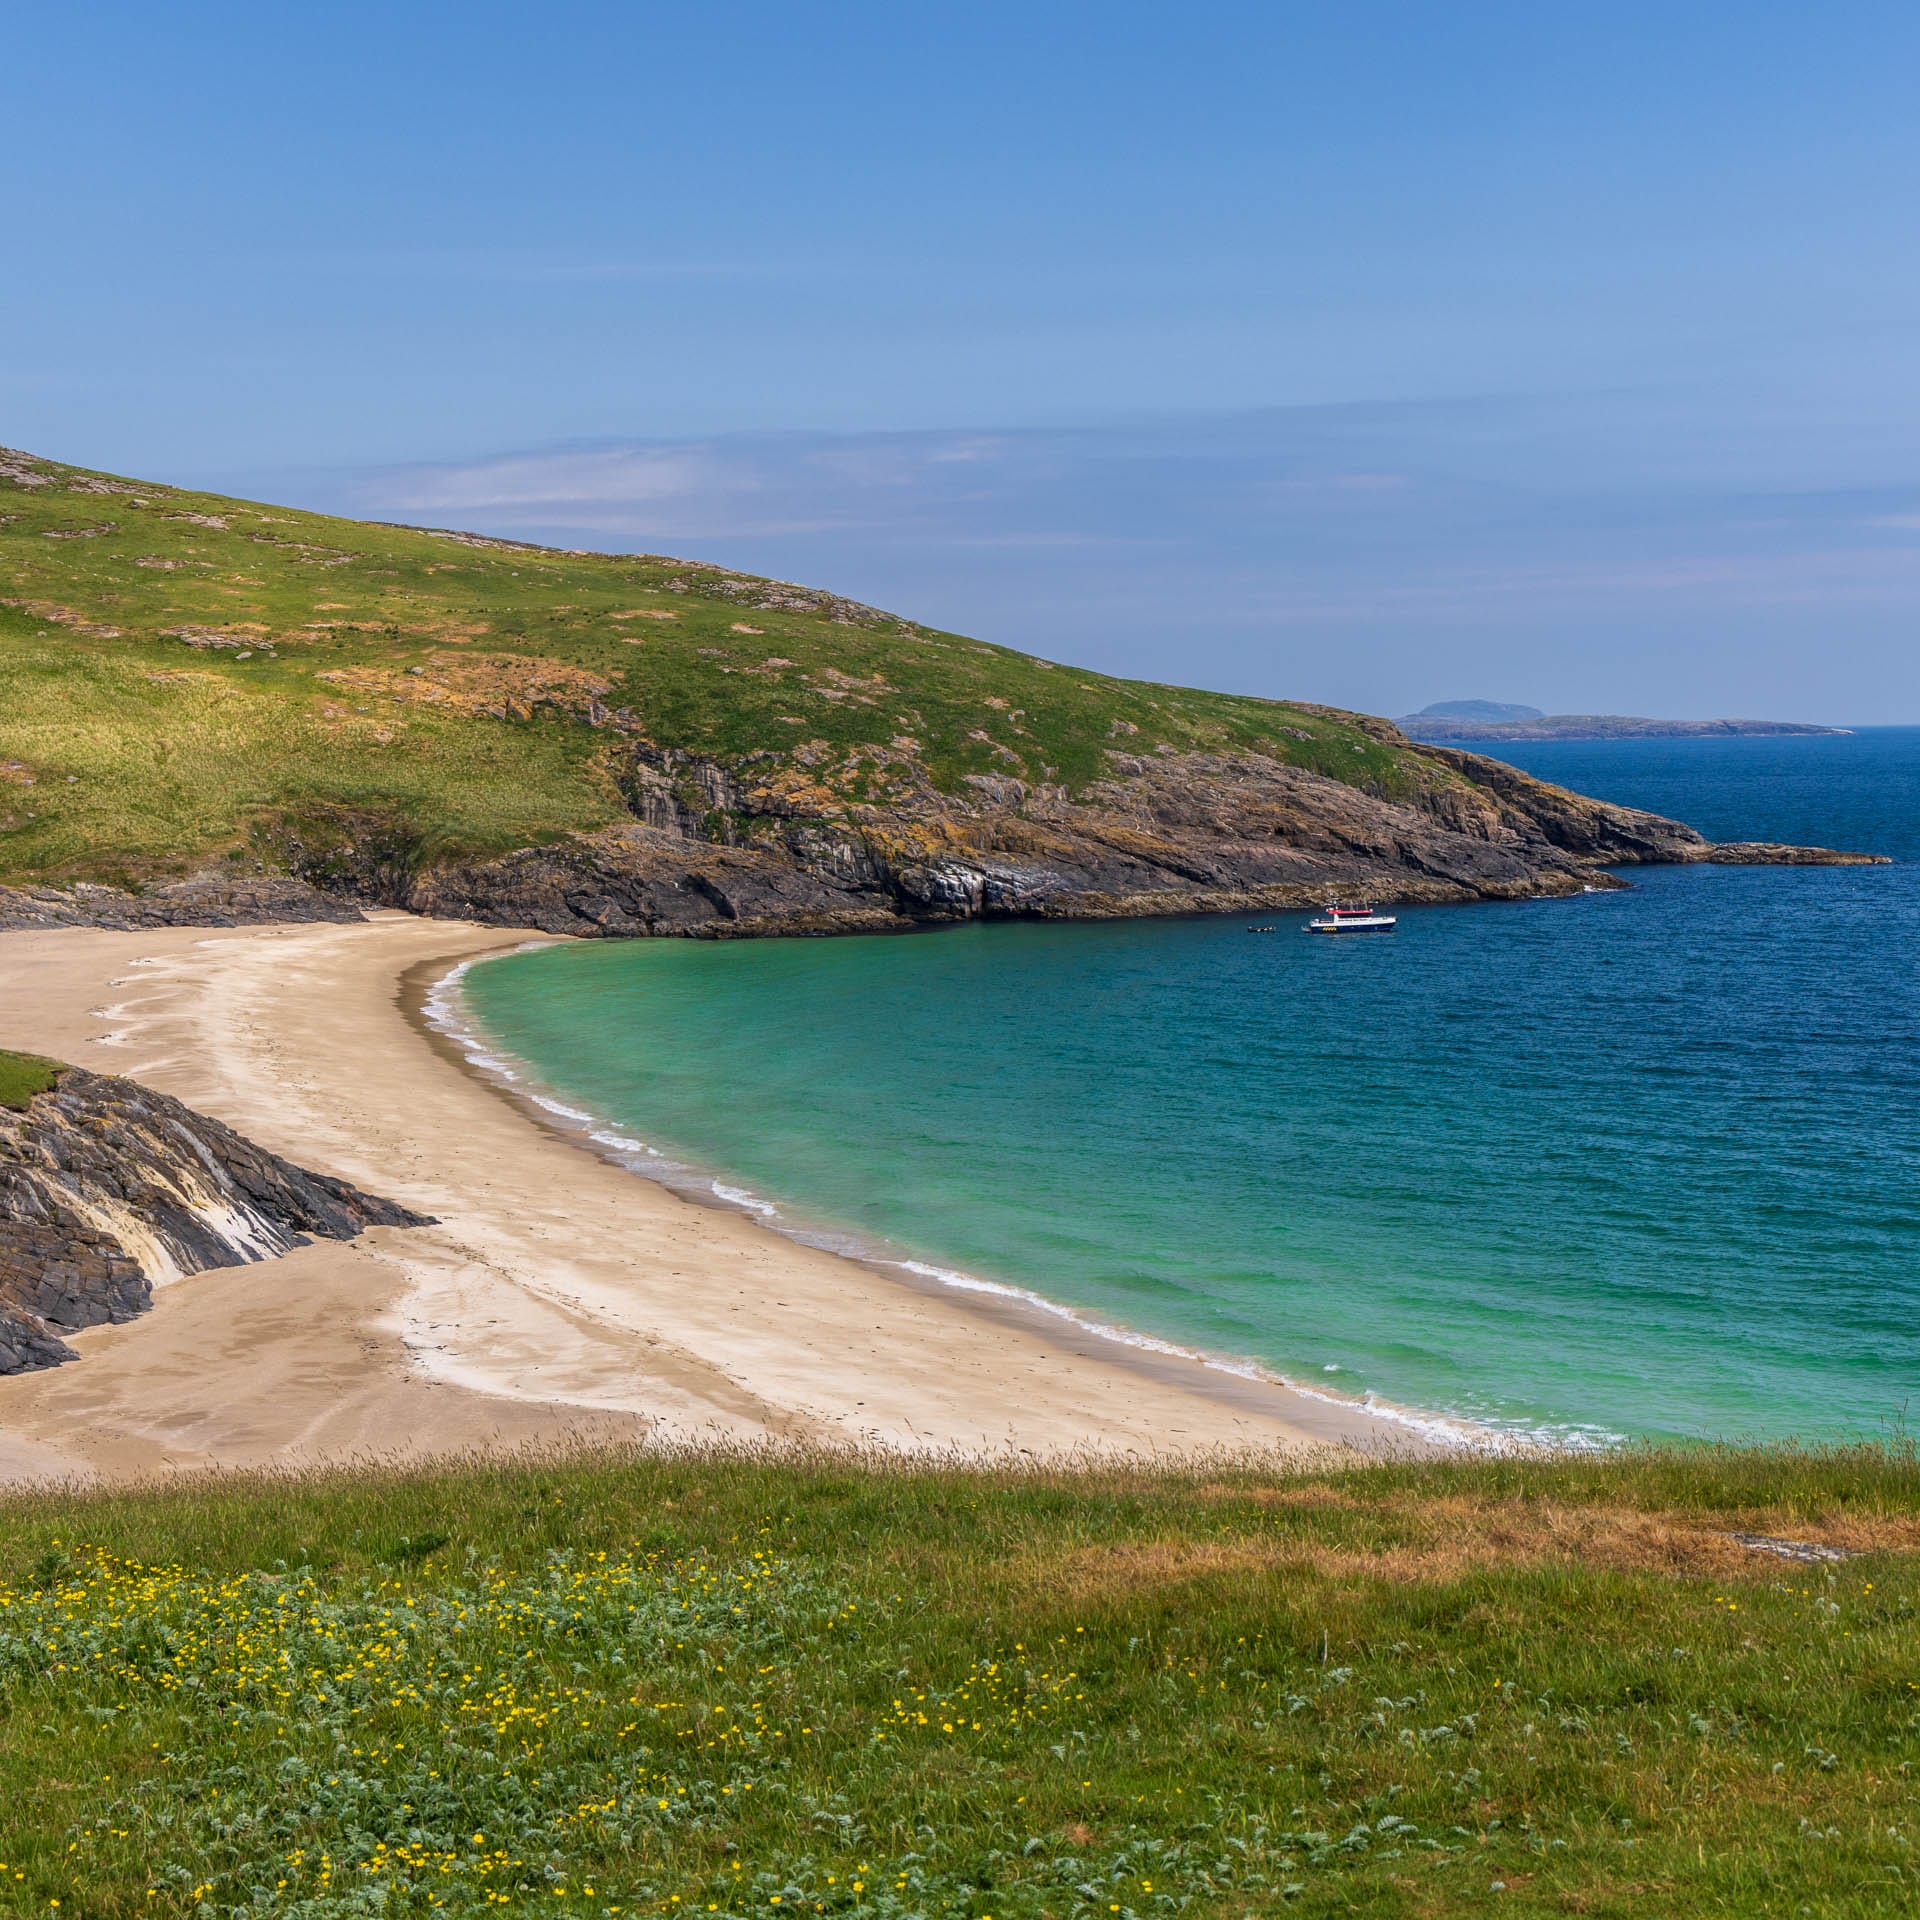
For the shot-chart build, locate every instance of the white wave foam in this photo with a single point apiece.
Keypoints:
(622, 1143)
(740, 1197)
(1438, 1428)
(445, 1011)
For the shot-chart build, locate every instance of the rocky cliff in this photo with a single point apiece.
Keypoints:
(205, 901)
(108, 1188)
(1162, 833)
(731, 851)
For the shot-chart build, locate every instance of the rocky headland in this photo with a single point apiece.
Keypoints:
(222, 713)
(1171, 833)
(722, 852)
(108, 1188)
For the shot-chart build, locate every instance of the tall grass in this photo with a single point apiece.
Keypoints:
(756, 1683)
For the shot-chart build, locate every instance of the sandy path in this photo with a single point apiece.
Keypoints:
(559, 1294)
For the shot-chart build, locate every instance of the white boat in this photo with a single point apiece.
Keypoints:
(1339, 919)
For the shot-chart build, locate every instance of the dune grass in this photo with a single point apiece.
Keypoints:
(192, 678)
(22, 1075)
(739, 1684)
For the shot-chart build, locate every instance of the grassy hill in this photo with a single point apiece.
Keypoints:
(191, 677)
(597, 743)
(727, 1685)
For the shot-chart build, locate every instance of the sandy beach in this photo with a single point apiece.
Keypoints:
(559, 1296)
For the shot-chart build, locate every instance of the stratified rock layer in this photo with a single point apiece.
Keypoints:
(107, 1187)
(200, 902)
(1164, 833)
(758, 848)
(1770, 853)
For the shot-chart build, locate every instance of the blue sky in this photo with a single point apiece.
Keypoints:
(1372, 353)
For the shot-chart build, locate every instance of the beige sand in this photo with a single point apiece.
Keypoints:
(559, 1295)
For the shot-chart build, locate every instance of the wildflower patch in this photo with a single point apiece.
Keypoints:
(747, 1687)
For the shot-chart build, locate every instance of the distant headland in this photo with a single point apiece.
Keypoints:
(1465, 721)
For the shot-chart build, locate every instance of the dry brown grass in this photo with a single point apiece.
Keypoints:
(497, 686)
(1445, 1538)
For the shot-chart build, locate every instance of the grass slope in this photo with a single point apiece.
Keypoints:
(191, 677)
(760, 1687)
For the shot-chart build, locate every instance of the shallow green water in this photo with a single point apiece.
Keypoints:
(1626, 1164)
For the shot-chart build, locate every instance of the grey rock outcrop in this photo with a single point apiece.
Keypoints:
(107, 1187)
(204, 901)
(728, 851)
(1769, 853)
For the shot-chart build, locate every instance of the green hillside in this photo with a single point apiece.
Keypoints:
(708, 1684)
(191, 678)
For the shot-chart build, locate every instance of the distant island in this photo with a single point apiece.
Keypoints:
(1472, 721)
(1493, 712)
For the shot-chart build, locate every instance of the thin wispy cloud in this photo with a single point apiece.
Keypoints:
(509, 266)
(541, 485)
(1363, 554)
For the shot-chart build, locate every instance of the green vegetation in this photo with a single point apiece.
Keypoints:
(191, 678)
(764, 1685)
(22, 1075)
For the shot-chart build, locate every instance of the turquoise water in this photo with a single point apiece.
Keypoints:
(1629, 1164)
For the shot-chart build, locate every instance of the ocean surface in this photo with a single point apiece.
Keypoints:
(1634, 1164)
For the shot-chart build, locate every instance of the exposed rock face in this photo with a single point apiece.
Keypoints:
(720, 852)
(201, 902)
(1768, 853)
(759, 847)
(107, 1187)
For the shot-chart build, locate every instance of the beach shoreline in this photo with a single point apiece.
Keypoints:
(455, 1032)
(559, 1296)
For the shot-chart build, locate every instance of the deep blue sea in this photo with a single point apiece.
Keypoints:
(1633, 1164)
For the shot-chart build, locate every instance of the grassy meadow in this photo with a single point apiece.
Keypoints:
(193, 679)
(737, 1684)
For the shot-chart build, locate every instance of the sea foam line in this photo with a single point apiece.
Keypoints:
(444, 1010)
(1442, 1429)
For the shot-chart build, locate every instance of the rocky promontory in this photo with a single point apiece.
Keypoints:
(108, 1188)
(1770, 853)
(1162, 833)
(728, 851)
